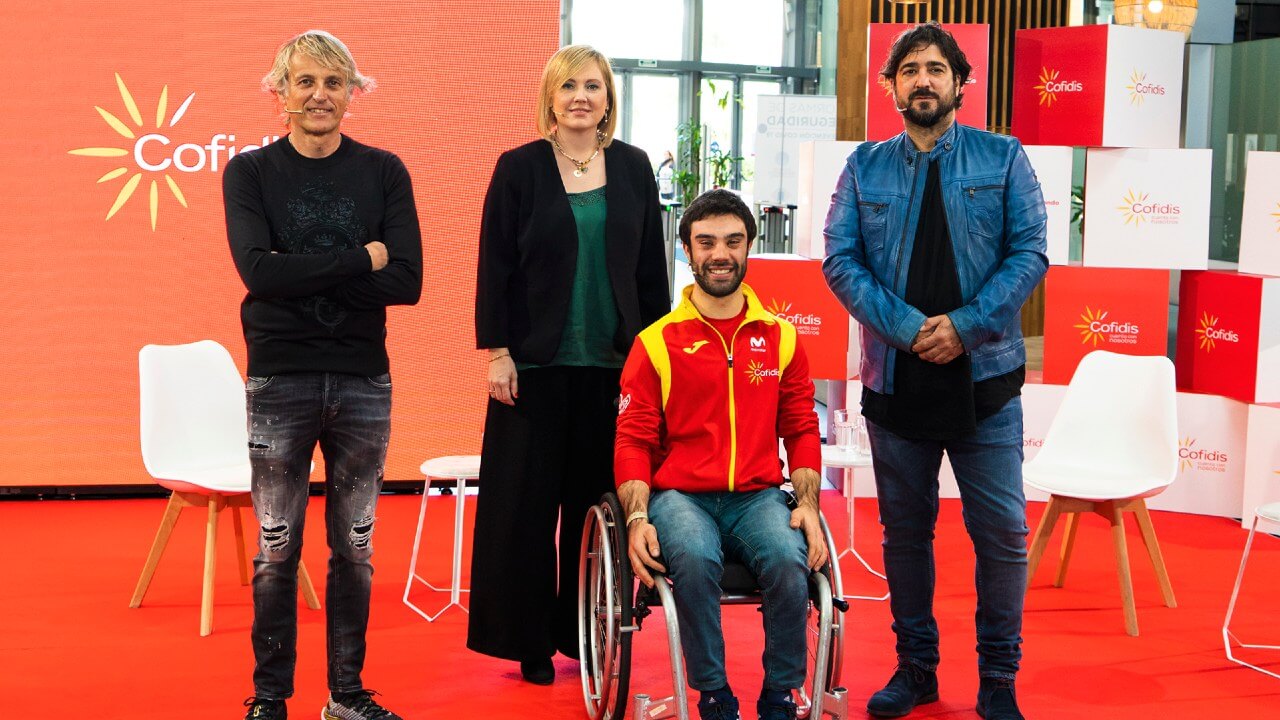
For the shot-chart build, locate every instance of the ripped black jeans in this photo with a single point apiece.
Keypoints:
(350, 417)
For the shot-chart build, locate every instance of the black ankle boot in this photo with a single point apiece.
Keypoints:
(539, 671)
(997, 700)
(911, 685)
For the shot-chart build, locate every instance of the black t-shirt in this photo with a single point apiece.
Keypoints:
(931, 401)
(297, 227)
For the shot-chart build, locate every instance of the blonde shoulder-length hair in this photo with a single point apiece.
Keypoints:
(567, 62)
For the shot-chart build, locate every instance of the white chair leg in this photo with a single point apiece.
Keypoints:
(1227, 635)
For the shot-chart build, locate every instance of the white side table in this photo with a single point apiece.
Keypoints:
(460, 470)
(848, 461)
(1266, 513)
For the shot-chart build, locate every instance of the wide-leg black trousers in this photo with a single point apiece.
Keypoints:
(550, 456)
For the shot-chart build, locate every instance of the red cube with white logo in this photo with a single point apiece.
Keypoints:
(1086, 309)
(1229, 335)
(793, 288)
(1098, 86)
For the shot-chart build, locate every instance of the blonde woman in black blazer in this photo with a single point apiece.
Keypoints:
(571, 268)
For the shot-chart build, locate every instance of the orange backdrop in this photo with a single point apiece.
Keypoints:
(82, 293)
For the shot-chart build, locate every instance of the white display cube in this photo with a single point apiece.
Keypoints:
(1147, 208)
(1260, 219)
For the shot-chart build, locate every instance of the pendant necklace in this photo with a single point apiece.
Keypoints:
(580, 166)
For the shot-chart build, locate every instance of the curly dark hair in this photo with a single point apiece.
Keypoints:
(713, 203)
(921, 37)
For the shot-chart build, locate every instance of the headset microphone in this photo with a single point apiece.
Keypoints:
(295, 112)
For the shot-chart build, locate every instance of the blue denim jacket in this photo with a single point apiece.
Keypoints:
(996, 217)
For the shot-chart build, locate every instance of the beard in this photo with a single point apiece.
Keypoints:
(718, 286)
(928, 118)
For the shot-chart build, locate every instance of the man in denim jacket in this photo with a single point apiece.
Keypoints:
(934, 240)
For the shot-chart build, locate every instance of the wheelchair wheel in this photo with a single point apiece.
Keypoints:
(606, 591)
(834, 591)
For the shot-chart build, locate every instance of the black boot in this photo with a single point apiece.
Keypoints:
(911, 685)
(997, 700)
(539, 671)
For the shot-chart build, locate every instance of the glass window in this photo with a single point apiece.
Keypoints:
(745, 32)
(654, 115)
(718, 103)
(751, 92)
(651, 30)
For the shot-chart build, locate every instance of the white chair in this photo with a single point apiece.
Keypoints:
(1269, 513)
(1113, 443)
(442, 472)
(195, 442)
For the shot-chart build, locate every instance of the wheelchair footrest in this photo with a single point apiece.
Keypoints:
(645, 708)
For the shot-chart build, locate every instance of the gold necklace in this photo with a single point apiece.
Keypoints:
(579, 165)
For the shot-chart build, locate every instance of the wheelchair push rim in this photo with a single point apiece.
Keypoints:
(605, 594)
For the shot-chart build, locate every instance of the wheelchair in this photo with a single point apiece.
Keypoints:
(611, 610)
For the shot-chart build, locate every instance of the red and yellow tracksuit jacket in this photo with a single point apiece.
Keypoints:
(703, 413)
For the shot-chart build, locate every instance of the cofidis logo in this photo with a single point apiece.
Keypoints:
(1191, 457)
(756, 372)
(806, 323)
(1140, 88)
(1210, 334)
(1095, 326)
(1137, 207)
(1050, 86)
(157, 155)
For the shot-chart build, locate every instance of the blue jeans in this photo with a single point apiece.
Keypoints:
(697, 532)
(350, 416)
(988, 469)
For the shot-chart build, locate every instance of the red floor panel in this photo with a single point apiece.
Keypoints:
(71, 648)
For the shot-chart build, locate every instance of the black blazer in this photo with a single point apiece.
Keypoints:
(529, 251)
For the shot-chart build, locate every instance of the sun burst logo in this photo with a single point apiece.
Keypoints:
(1089, 328)
(1047, 78)
(1185, 454)
(778, 307)
(1210, 334)
(1276, 215)
(1130, 210)
(1136, 96)
(162, 119)
(1208, 324)
(1139, 88)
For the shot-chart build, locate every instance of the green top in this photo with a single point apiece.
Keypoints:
(592, 320)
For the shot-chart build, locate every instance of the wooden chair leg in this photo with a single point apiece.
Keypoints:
(304, 584)
(210, 564)
(242, 558)
(1068, 544)
(167, 521)
(1116, 517)
(1153, 549)
(1041, 537)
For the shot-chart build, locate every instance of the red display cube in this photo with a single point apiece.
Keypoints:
(1229, 335)
(1117, 309)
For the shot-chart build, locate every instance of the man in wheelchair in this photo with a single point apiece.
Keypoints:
(706, 393)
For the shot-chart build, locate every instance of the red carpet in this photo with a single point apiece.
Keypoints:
(71, 648)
